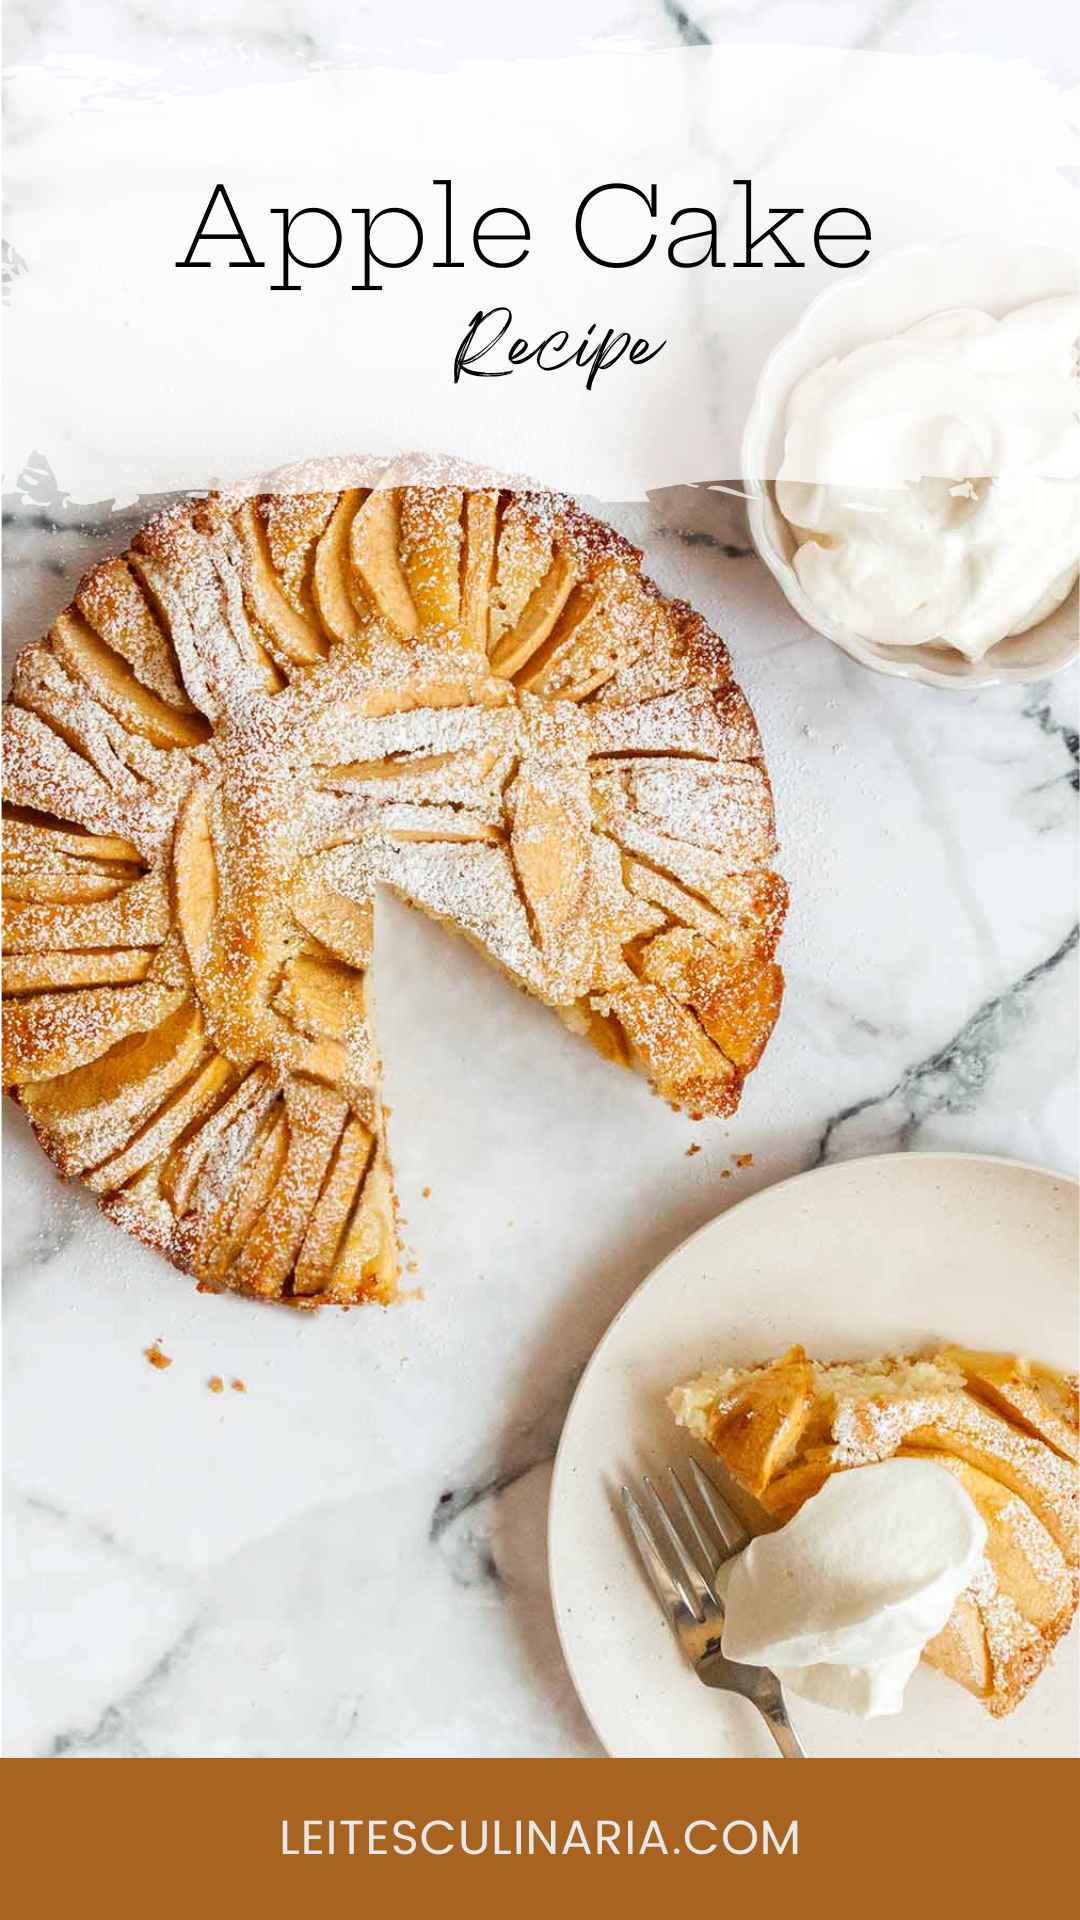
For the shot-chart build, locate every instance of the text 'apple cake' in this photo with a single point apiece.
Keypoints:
(1005, 1426)
(269, 708)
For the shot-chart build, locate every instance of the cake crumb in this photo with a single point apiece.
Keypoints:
(725, 1173)
(425, 1193)
(238, 1386)
(215, 1383)
(692, 1149)
(412, 1266)
(743, 1159)
(156, 1357)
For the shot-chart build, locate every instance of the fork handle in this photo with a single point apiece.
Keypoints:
(776, 1719)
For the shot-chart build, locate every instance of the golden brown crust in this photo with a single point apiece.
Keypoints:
(269, 707)
(1006, 1428)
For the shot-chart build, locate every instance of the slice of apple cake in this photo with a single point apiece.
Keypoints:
(1005, 1426)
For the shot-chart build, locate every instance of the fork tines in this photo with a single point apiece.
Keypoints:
(683, 1578)
(682, 1557)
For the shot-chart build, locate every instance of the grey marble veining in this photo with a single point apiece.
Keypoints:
(952, 1079)
(116, 37)
(245, 1573)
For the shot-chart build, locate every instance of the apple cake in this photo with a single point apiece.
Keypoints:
(274, 705)
(1006, 1427)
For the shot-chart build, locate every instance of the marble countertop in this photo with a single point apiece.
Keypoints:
(349, 1557)
(120, 37)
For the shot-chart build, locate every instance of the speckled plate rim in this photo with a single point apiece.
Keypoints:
(940, 1720)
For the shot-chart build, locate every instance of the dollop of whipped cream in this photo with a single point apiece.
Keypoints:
(843, 1599)
(932, 480)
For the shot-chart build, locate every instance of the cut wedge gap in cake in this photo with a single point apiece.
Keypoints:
(275, 705)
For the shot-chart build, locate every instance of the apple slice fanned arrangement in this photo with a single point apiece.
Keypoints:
(1007, 1427)
(266, 710)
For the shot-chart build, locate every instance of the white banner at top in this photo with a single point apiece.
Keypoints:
(570, 270)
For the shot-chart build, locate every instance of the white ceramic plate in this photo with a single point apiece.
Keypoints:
(855, 1259)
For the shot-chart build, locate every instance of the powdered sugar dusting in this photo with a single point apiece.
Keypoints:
(470, 697)
(1025, 1592)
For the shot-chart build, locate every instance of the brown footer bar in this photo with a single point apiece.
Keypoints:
(912, 1838)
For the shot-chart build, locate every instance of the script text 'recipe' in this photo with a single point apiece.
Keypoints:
(617, 225)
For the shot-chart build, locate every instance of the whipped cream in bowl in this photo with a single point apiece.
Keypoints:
(913, 463)
(842, 1600)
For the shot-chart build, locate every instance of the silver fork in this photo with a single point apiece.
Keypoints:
(688, 1596)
